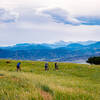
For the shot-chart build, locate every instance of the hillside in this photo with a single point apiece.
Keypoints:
(70, 82)
(45, 52)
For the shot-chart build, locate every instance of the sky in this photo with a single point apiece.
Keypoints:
(48, 21)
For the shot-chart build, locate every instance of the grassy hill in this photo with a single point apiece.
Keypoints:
(70, 82)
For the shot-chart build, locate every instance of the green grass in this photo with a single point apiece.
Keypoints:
(70, 82)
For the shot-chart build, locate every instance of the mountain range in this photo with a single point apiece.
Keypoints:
(59, 51)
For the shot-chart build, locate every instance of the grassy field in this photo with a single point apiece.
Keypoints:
(70, 82)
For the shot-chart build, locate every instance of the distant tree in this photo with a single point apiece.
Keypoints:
(94, 60)
(8, 61)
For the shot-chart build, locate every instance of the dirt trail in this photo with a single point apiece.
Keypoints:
(46, 95)
(2, 77)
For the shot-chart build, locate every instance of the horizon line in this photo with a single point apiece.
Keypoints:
(46, 42)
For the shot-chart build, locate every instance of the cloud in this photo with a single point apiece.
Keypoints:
(36, 26)
(46, 15)
(75, 7)
(61, 11)
(33, 16)
(89, 20)
(19, 33)
(61, 16)
(48, 21)
(7, 16)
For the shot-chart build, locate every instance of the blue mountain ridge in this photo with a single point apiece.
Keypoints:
(46, 52)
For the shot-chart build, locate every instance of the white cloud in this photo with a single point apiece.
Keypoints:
(60, 15)
(7, 16)
(75, 7)
(46, 32)
(35, 20)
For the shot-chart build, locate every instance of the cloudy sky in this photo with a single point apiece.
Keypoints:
(38, 21)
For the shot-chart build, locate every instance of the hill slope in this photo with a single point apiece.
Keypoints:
(70, 82)
(44, 52)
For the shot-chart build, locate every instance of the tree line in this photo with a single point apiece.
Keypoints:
(94, 60)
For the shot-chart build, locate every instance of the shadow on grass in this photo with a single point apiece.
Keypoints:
(1, 74)
(45, 88)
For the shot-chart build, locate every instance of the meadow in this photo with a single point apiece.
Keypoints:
(70, 82)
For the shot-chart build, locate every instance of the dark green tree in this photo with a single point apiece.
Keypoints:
(94, 60)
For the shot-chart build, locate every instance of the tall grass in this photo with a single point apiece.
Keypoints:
(70, 82)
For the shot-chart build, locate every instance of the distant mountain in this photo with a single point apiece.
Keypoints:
(57, 44)
(59, 51)
(86, 42)
(64, 44)
(94, 45)
(75, 46)
(26, 46)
